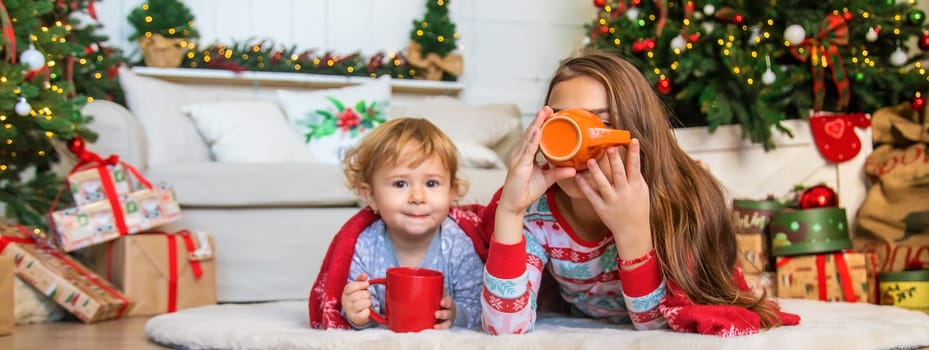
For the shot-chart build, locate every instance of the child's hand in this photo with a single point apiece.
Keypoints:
(356, 301)
(623, 203)
(445, 316)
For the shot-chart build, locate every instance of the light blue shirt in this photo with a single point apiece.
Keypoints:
(451, 251)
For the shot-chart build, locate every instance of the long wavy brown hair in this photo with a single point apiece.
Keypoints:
(692, 230)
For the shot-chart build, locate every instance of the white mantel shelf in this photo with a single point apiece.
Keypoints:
(291, 80)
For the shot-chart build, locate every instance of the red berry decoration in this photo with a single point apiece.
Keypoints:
(848, 16)
(599, 3)
(664, 86)
(738, 19)
(924, 41)
(819, 196)
(604, 29)
(919, 103)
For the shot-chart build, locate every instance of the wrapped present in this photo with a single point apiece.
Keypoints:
(160, 272)
(753, 253)
(82, 293)
(762, 283)
(906, 289)
(90, 185)
(7, 321)
(752, 216)
(101, 221)
(809, 231)
(840, 276)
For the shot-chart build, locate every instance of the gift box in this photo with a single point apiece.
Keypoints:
(7, 319)
(70, 284)
(752, 216)
(101, 221)
(762, 283)
(840, 276)
(809, 231)
(753, 253)
(89, 185)
(159, 272)
(906, 289)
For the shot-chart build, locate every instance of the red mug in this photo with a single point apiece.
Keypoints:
(412, 297)
(572, 136)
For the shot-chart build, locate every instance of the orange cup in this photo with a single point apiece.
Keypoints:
(572, 136)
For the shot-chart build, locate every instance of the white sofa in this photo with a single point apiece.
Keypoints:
(272, 222)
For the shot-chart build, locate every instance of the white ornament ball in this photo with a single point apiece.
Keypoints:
(679, 43)
(33, 58)
(898, 58)
(709, 9)
(585, 40)
(22, 107)
(871, 36)
(795, 34)
(708, 27)
(697, 15)
(632, 14)
(768, 77)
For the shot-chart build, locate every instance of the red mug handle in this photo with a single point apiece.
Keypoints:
(377, 317)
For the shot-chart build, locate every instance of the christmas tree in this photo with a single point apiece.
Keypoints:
(45, 61)
(436, 31)
(757, 63)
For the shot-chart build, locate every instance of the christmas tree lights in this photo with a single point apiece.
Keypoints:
(757, 63)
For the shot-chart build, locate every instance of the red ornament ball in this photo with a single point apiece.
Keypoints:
(604, 29)
(664, 86)
(848, 15)
(76, 145)
(738, 19)
(924, 41)
(919, 103)
(819, 196)
(599, 3)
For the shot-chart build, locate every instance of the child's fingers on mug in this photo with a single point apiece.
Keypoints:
(616, 165)
(362, 276)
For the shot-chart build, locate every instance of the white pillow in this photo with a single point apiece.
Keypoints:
(172, 136)
(248, 132)
(477, 156)
(332, 120)
(484, 125)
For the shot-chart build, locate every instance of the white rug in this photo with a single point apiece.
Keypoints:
(283, 325)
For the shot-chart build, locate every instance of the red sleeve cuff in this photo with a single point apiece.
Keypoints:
(642, 280)
(506, 261)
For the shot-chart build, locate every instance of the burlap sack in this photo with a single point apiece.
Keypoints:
(893, 220)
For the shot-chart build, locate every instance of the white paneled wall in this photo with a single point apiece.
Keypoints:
(510, 47)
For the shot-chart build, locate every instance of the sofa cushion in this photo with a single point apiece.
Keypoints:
(333, 120)
(248, 131)
(171, 135)
(215, 184)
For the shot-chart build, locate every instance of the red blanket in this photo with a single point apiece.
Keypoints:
(683, 315)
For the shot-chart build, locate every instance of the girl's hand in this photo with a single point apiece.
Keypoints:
(356, 301)
(445, 316)
(623, 206)
(525, 182)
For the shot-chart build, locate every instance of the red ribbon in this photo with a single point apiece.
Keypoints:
(172, 274)
(90, 276)
(9, 36)
(825, 45)
(842, 270)
(821, 277)
(845, 277)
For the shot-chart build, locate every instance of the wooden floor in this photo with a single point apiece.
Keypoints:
(127, 333)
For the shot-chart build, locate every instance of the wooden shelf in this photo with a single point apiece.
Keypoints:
(291, 80)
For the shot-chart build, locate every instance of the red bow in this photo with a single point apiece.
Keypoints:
(823, 52)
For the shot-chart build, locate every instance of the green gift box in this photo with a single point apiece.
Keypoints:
(809, 231)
